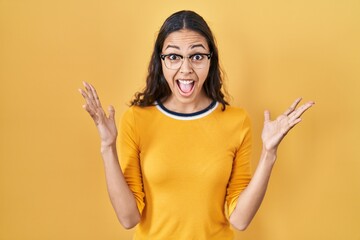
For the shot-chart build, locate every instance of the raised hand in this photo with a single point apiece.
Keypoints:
(274, 131)
(105, 125)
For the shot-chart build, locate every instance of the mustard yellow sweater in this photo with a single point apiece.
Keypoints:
(186, 170)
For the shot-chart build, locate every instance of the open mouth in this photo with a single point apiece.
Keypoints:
(186, 87)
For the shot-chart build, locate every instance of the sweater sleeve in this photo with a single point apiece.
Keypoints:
(129, 157)
(241, 169)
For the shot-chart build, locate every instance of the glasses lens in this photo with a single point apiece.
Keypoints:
(197, 61)
(172, 63)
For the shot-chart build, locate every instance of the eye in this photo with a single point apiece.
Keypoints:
(173, 57)
(197, 57)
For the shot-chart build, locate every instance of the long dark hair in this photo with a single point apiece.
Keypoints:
(156, 86)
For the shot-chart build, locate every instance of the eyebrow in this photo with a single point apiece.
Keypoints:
(192, 47)
(172, 46)
(198, 45)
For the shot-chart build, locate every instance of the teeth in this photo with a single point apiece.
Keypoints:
(185, 81)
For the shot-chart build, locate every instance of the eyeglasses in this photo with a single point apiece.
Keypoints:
(197, 60)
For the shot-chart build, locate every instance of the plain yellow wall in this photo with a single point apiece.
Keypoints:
(52, 183)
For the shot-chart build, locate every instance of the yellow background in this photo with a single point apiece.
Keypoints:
(52, 183)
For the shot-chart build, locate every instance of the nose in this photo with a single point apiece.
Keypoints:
(186, 66)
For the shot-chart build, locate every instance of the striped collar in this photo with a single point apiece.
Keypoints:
(187, 116)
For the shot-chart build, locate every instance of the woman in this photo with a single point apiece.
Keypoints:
(184, 152)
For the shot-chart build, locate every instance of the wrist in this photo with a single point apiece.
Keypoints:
(269, 155)
(107, 147)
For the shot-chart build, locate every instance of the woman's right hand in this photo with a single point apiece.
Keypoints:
(105, 125)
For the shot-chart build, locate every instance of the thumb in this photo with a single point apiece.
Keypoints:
(111, 110)
(267, 115)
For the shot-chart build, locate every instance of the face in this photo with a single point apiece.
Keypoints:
(186, 82)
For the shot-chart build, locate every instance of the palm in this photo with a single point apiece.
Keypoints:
(106, 125)
(274, 131)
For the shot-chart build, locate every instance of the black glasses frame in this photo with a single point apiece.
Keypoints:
(163, 56)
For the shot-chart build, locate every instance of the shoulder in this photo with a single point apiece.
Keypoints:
(135, 114)
(236, 110)
(133, 117)
(233, 112)
(134, 111)
(234, 122)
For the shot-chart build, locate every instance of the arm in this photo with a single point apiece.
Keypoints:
(273, 132)
(122, 198)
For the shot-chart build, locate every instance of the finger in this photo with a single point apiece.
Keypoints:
(91, 112)
(98, 116)
(93, 98)
(95, 95)
(89, 92)
(266, 116)
(296, 114)
(290, 126)
(87, 99)
(111, 110)
(292, 107)
(293, 123)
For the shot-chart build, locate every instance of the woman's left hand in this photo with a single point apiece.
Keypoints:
(274, 131)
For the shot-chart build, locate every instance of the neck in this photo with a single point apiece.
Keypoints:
(175, 105)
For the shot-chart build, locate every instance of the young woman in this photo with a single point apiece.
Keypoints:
(184, 153)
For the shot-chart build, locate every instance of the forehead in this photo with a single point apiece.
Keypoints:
(184, 39)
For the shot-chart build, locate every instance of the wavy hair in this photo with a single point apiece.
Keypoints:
(156, 86)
